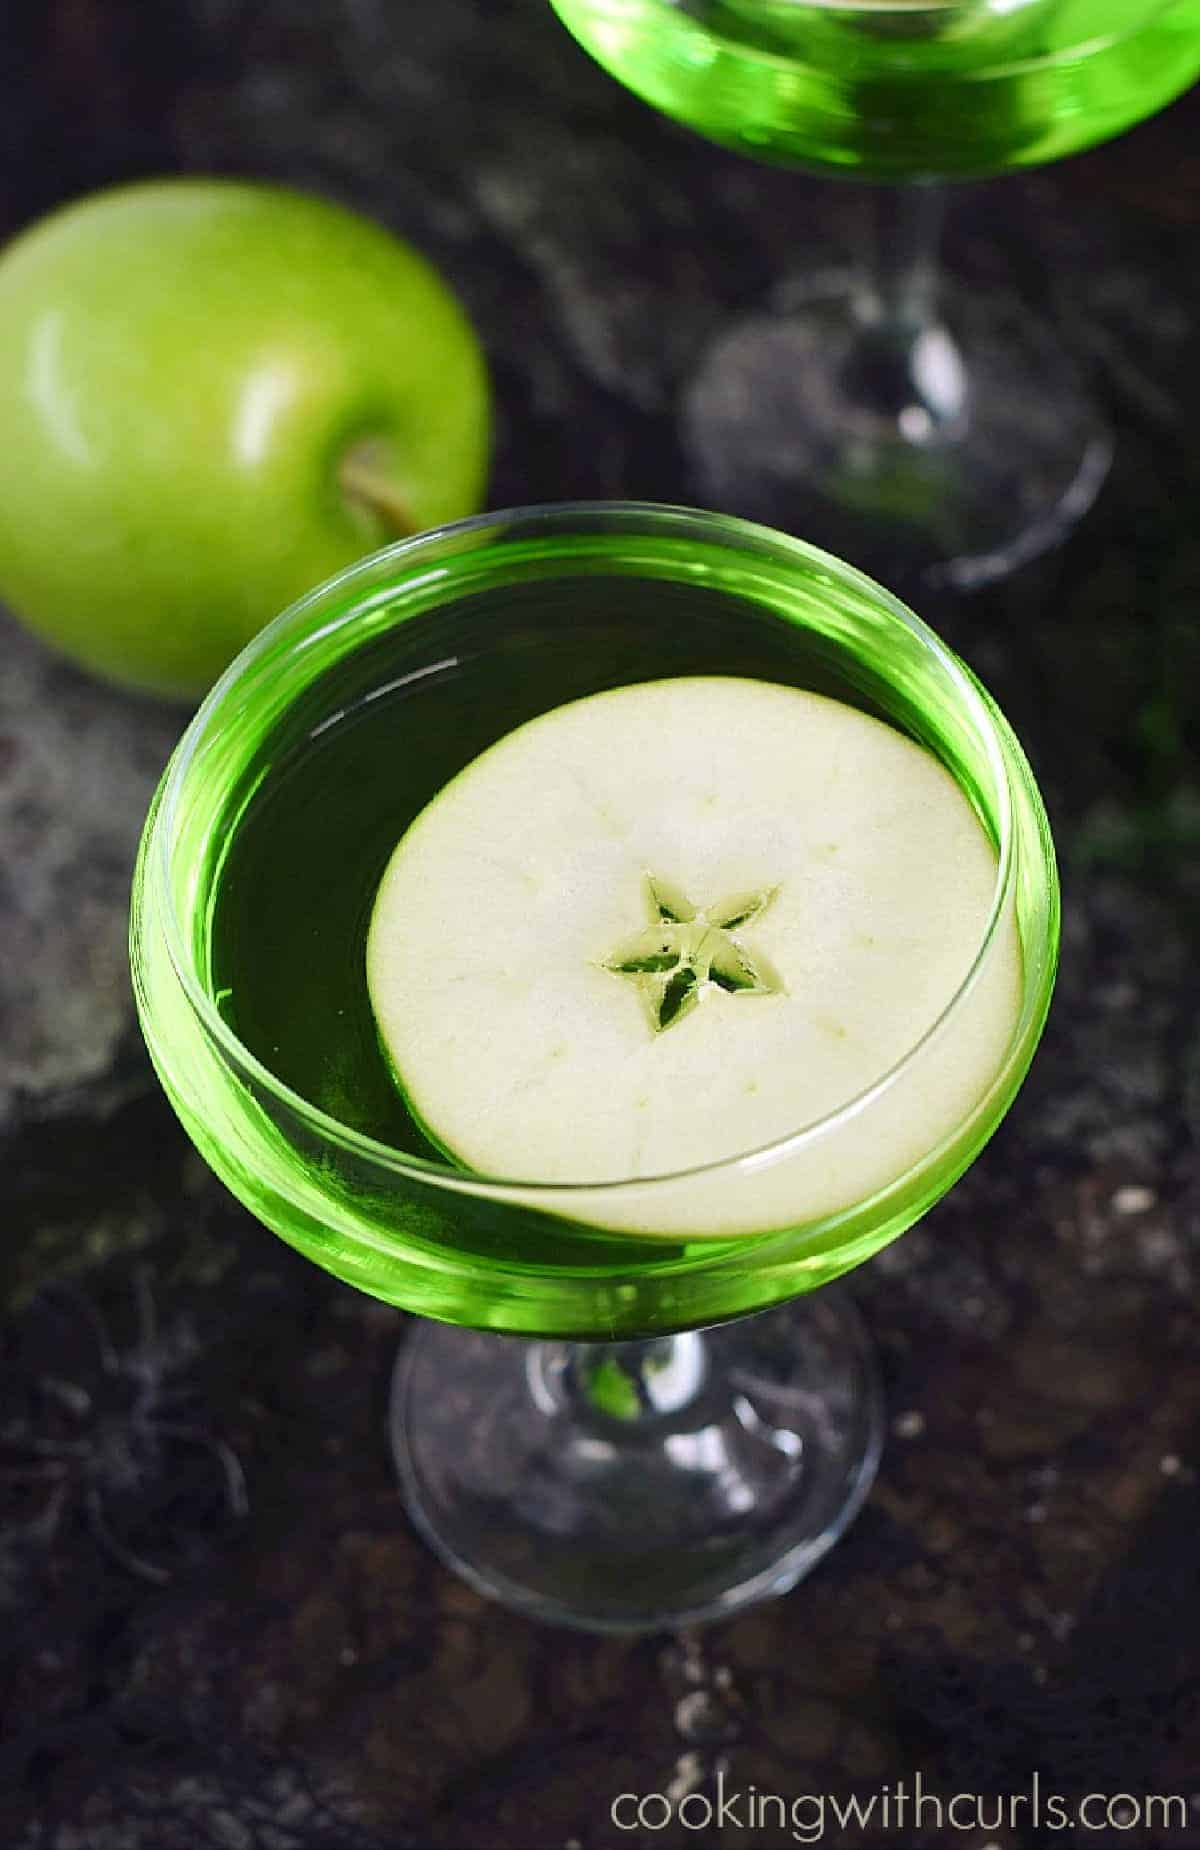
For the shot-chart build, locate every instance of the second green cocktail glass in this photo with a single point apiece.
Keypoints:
(654, 1453)
(934, 431)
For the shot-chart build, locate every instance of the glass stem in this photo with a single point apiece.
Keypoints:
(902, 369)
(899, 280)
(628, 1381)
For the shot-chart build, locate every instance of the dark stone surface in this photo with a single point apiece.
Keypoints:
(178, 1672)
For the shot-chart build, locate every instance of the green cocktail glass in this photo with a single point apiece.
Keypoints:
(891, 89)
(929, 429)
(653, 1454)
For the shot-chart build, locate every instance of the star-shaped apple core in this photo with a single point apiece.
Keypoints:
(689, 950)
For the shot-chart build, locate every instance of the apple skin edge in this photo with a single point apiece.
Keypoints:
(214, 395)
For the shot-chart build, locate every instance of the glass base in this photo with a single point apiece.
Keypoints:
(949, 452)
(640, 1485)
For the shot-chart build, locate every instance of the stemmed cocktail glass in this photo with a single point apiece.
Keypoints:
(654, 1453)
(923, 428)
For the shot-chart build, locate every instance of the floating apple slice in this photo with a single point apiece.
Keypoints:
(674, 922)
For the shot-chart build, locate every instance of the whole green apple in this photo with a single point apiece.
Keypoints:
(213, 395)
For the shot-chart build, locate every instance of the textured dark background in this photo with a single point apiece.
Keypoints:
(1022, 1589)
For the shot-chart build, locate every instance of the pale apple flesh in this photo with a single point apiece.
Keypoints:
(798, 887)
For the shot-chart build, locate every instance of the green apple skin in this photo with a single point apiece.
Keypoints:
(190, 371)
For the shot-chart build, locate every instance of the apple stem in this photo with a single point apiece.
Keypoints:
(363, 479)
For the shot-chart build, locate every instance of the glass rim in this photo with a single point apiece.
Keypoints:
(868, 7)
(1003, 752)
(889, 6)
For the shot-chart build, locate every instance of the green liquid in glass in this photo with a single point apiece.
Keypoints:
(893, 89)
(287, 942)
